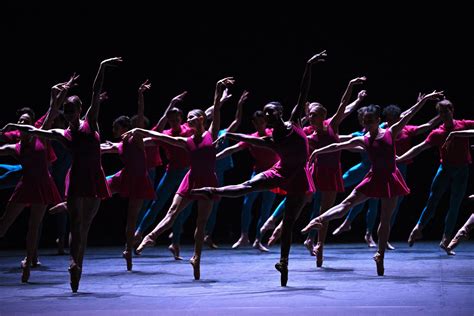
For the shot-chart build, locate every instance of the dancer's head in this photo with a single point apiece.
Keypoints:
(196, 119)
(391, 113)
(273, 112)
(175, 117)
(121, 125)
(259, 121)
(134, 121)
(72, 108)
(360, 115)
(445, 110)
(60, 121)
(372, 117)
(317, 113)
(26, 116)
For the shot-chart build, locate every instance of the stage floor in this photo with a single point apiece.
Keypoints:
(420, 280)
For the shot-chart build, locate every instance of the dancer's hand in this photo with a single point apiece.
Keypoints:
(319, 57)
(114, 61)
(179, 98)
(220, 140)
(362, 95)
(225, 96)
(146, 85)
(358, 80)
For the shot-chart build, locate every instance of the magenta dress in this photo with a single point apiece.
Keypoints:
(203, 164)
(291, 172)
(36, 186)
(86, 177)
(132, 181)
(384, 180)
(326, 171)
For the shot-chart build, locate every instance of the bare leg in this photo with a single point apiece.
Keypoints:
(179, 203)
(134, 206)
(327, 200)
(204, 210)
(388, 205)
(36, 216)
(463, 233)
(337, 211)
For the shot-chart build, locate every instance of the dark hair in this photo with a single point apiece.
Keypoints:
(317, 105)
(199, 112)
(392, 110)
(373, 109)
(75, 101)
(26, 110)
(175, 110)
(134, 119)
(276, 104)
(258, 114)
(361, 111)
(123, 121)
(445, 103)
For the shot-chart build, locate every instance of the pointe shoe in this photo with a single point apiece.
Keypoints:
(444, 245)
(378, 258)
(318, 252)
(390, 246)
(275, 236)
(370, 240)
(127, 255)
(282, 267)
(208, 241)
(75, 277)
(146, 242)
(196, 263)
(258, 245)
(460, 235)
(25, 275)
(414, 235)
(269, 224)
(313, 224)
(345, 226)
(35, 263)
(243, 241)
(58, 208)
(136, 242)
(309, 244)
(175, 251)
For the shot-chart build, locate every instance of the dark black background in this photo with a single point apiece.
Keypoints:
(401, 49)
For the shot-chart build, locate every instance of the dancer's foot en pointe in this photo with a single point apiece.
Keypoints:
(243, 241)
(462, 234)
(309, 244)
(174, 248)
(378, 258)
(444, 245)
(315, 223)
(146, 242)
(269, 224)
(208, 241)
(196, 263)
(345, 226)
(58, 208)
(318, 252)
(414, 235)
(127, 255)
(370, 240)
(25, 267)
(390, 246)
(75, 277)
(258, 245)
(282, 267)
(206, 192)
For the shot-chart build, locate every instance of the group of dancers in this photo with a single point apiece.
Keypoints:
(60, 167)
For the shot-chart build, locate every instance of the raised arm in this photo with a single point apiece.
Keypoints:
(160, 126)
(341, 110)
(238, 113)
(413, 152)
(408, 114)
(146, 85)
(92, 114)
(229, 151)
(216, 108)
(349, 145)
(297, 112)
(171, 140)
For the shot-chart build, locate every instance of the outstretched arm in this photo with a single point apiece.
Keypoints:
(238, 113)
(413, 152)
(266, 141)
(174, 141)
(435, 121)
(160, 126)
(350, 144)
(304, 88)
(92, 115)
(398, 126)
(52, 134)
(109, 148)
(229, 151)
(7, 150)
(341, 110)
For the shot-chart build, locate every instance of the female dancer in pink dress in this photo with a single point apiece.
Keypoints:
(85, 183)
(383, 181)
(291, 173)
(202, 172)
(36, 187)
